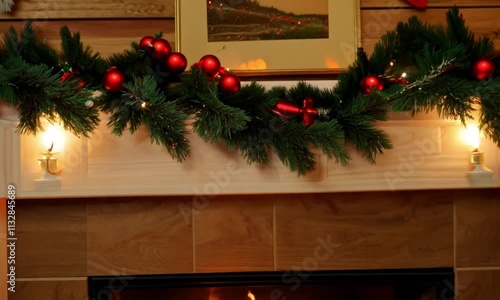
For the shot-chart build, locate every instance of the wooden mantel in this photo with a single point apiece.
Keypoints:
(429, 153)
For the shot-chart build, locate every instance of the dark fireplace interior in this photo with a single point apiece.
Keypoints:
(414, 284)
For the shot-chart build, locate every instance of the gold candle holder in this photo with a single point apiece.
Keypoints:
(48, 165)
(479, 174)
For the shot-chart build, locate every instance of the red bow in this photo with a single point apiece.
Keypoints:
(307, 111)
(420, 4)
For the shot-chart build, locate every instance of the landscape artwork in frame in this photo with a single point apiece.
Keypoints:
(270, 37)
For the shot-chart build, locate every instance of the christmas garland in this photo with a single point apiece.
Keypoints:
(448, 71)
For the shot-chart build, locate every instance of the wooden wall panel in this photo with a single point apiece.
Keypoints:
(44, 289)
(432, 3)
(105, 36)
(478, 228)
(56, 9)
(374, 23)
(53, 9)
(139, 236)
(364, 231)
(52, 238)
(478, 285)
(234, 233)
(110, 36)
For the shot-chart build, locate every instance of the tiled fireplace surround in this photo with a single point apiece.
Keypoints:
(62, 241)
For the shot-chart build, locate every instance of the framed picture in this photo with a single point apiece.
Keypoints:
(270, 37)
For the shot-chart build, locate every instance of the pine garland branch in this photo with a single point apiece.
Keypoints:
(54, 100)
(214, 119)
(134, 63)
(255, 141)
(458, 31)
(144, 103)
(358, 118)
(489, 120)
(33, 51)
(88, 65)
(329, 137)
(292, 148)
(437, 60)
(167, 127)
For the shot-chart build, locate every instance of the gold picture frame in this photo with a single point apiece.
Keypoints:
(320, 56)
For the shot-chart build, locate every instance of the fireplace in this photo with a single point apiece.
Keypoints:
(407, 284)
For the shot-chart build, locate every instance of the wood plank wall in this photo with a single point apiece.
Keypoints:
(60, 242)
(110, 26)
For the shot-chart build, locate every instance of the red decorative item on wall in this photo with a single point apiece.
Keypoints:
(307, 111)
(420, 4)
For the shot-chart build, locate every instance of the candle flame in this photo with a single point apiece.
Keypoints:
(250, 296)
(472, 136)
(53, 138)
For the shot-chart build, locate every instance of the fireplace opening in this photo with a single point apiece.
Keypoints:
(414, 284)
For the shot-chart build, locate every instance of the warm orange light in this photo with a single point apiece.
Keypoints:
(257, 64)
(250, 296)
(53, 138)
(331, 63)
(471, 136)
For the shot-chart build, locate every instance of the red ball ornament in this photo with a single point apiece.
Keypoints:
(71, 75)
(210, 65)
(483, 69)
(229, 84)
(146, 42)
(222, 71)
(420, 4)
(67, 75)
(371, 82)
(176, 63)
(161, 49)
(113, 80)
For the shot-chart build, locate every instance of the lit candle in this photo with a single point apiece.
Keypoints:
(479, 175)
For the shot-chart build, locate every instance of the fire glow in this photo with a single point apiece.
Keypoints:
(250, 296)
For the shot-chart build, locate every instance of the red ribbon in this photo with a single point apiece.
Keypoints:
(420, 4)
(286, 109)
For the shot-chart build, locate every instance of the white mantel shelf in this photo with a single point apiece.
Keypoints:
(428, 153)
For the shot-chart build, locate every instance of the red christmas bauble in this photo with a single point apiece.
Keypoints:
(483, 69)
(371, 82)
(161, 49)
(70, 75)
(229, 84)
(222, 71)
(146, 42)
(421, 4)
(210, 65)
(67, 75)
(176, 63)
(113, 80)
